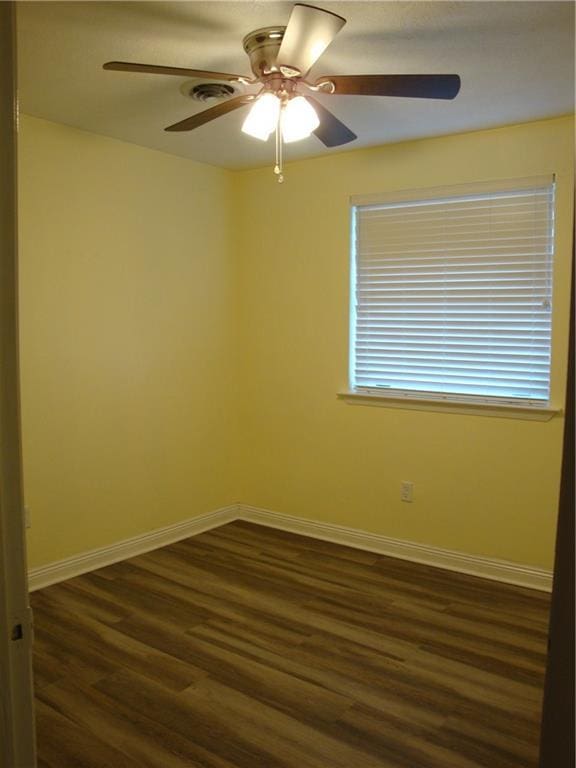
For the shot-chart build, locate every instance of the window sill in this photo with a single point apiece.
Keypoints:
(450, 406)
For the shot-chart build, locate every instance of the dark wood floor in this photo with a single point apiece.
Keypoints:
(247, 647)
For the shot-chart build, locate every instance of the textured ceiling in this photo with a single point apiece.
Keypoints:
(516, 61)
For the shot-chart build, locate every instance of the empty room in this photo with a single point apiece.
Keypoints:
(286, 356)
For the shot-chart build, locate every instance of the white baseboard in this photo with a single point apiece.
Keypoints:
(45, 575)
(484, 567)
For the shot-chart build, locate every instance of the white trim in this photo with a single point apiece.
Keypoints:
(61, 570)
(475, 565)
(447, 405)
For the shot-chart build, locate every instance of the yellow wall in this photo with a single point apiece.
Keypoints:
(483, 485)
(184, 333)
(126, 318)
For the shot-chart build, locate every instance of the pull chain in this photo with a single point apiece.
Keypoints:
(278, 168)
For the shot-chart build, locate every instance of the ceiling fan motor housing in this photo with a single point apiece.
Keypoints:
(262, 47)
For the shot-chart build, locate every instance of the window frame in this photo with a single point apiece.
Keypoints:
(515, 407)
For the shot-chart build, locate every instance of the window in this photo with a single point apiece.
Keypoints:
(452, 292)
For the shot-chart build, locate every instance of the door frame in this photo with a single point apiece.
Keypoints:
(17, 732)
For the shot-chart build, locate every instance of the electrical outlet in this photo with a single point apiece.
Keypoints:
(407, 490)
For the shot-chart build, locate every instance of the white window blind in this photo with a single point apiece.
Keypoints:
(452, 295)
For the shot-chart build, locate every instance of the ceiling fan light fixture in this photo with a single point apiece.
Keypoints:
(299, 119)
(263, 117)
(281, 58)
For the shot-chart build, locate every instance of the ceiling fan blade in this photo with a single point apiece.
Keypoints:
(211, 114)
(413, 86)
(309, 32)
(331, 131)
(153, 69)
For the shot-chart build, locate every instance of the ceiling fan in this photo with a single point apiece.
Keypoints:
(280, 59)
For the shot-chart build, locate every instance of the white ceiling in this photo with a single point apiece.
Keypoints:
(516, 61)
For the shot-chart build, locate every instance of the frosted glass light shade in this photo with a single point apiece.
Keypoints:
(263, 117)
(298, 119)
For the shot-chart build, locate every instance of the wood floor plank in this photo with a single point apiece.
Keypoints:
(359, 683)
(215, 607)
(505, 637)
(488, 687)
(534, 625)
(248, 672)
(247, 647)
(459, 729)
(64, 745)
(390, 739)
(147, 741)
(287, 543)
(52, 663)
(191, 719)
(450, 642)
(74, 595)
(121, 651)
